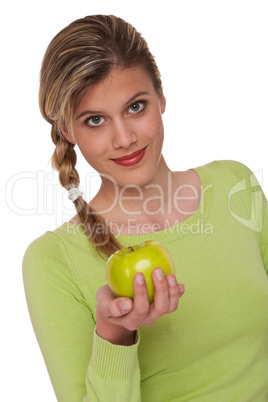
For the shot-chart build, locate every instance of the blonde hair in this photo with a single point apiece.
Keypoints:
(80, 55)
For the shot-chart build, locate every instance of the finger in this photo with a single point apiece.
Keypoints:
(182, 289)
(175, 292)
(141, 305)
(161, 294)
(141, 301)
(110, 305)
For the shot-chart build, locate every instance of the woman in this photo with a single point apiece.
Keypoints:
(101, 90)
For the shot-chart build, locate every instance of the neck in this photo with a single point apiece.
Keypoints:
(166, 199)
(133, 199)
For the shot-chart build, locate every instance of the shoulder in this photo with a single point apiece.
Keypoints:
(47, 257)
(229, 172)
(57, 244)
(50, 276)
(43, 248)
(229, 166)
(64, 254)
(228, 177)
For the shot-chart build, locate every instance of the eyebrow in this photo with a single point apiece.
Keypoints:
(96, 112)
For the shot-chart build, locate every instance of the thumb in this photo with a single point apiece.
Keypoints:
(111, 306)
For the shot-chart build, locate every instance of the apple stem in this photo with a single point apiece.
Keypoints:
(131, 248)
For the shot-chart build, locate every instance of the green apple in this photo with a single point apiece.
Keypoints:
(125, 263)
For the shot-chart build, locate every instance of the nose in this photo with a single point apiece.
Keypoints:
(123, 134)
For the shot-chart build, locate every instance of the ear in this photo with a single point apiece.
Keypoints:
(163, 103)
(67, 135)
(162, 100)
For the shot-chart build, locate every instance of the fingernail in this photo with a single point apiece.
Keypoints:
(125, 305)
(172, 282)
(159, 274)
(140, 279)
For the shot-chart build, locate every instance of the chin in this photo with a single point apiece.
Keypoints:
(137, 175)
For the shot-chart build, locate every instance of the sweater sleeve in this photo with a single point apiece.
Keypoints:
(109, 371)
(82, 367)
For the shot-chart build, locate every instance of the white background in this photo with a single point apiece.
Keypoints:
(214, 63)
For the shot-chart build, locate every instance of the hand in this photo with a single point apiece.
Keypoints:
(117, 318)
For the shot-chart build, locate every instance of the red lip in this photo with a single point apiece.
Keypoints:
(132, 159)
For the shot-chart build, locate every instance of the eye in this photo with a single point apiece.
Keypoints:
(136, 107)
(95, 121)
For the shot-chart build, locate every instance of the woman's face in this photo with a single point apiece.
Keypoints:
(118, 127)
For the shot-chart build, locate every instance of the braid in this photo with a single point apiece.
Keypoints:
(96, 229)
(64, 161)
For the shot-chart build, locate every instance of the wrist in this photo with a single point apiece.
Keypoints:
(112, 333)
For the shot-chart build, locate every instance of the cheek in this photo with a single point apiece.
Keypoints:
(153, 127)
(91, 148)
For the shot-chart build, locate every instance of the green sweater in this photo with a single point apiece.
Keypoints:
(213, 348)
